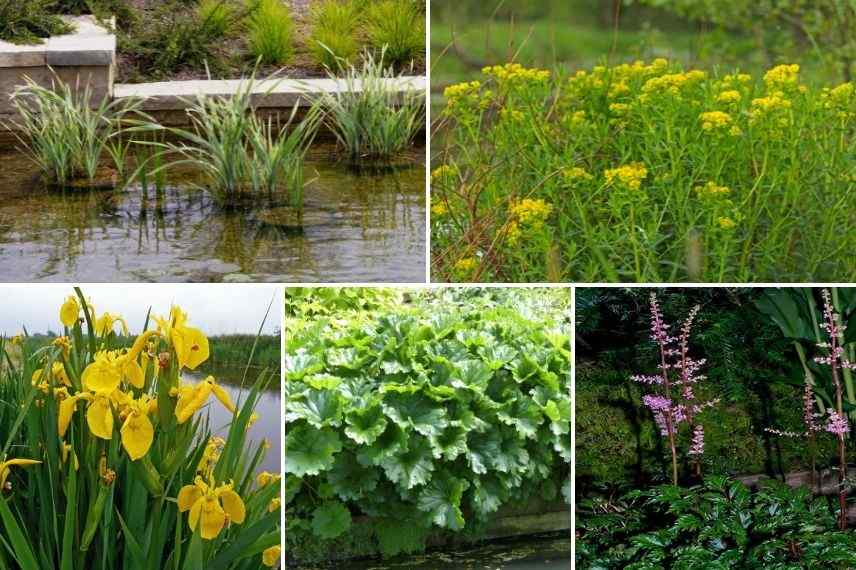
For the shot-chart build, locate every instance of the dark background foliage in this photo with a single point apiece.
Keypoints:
(750, 366)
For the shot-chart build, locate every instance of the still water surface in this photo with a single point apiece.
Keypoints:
(361, 226)
(269, 409)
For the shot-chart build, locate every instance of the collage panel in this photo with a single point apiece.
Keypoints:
(427, 428)
(643, 141)
(712, 427)
(237, 141)
(140, 427)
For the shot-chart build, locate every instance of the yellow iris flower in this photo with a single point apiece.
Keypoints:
(57, 371)
(190, 344)
(271, 556)
(265, 478)
(110, 367)
(211, 507)
(6, 468)
(105, 323)
(137, 431)
(69, 311)
(191, 398)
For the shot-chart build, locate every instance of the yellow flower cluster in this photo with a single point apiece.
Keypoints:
(673, 83)
(782, 76)
(729, 96)
(439, 209)
(514, 72)
(576, 173)
(840, 98)
(443, 172)
(530, 212)
(711, 189)
(726, 223)
(630, 175)
(774, 104)
(466, 264)
(718, 121)
(466, 96)
(462, 90)
(619, 108)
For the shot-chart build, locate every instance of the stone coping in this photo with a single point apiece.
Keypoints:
(175, 95)
(90, 44)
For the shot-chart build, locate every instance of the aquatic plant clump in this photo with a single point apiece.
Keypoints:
(240, 154)
(426, 415)
(108, 447)
(370, 115)
(644, 172)
(66, 133)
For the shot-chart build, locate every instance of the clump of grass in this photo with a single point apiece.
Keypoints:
(398, 27)
(333, 40)
(64, 133)
(28, 21)
(271, 32)
(371, 117)
(218, 17)
(238, 153)
(175, 37)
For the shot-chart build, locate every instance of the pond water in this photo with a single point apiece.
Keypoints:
(269, 409)
(525, 553)
(362, 226)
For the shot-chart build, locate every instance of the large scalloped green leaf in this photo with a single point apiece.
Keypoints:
(413, 467)
(415, 411)
(331, 520)
(320, 408)
(441, 500)
(308, 450)
(365, 425)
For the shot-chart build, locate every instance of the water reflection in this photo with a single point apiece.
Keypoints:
(359, 226)
(269, 409)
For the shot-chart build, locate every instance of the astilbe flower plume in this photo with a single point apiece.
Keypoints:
(675, 401)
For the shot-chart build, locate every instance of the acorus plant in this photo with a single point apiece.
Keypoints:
(673, 400)
(108, 463)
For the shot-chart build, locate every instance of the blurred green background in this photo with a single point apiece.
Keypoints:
(572, 34)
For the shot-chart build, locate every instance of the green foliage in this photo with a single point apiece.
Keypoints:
(396, 28)
(424, 416)
(718, 524)
(333, 39)
(308, 302)
(371, 117)
(218, 16)
(271, 32)
(27, 22)
(174, 36)
(780, 28)
(235, 350)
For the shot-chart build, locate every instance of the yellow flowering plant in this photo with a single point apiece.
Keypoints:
(110, 462)
(632, 159)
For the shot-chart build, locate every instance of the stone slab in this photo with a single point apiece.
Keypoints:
(90, 44)
(267, 93)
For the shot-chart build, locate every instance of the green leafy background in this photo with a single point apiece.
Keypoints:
(418, 412)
